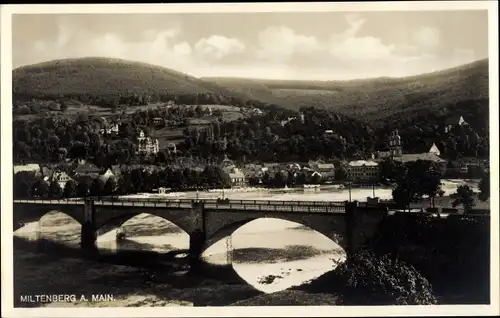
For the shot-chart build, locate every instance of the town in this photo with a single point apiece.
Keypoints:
(162, 168)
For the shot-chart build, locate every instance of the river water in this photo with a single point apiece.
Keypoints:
(269, 254)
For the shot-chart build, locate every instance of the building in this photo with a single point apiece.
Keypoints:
(413, 157)
(227, 164)
(237, 178)
(395, 153)
(31, 167)
(327, 171)
(454, 121)
(111, 129)
(86, 169)
(363, 171)
(60, 177)
(435, 150)
(158, 121)
(147, 145)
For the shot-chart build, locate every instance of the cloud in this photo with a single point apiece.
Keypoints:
(427, 38)
(218, 47)
(156, 47)
(349, 46)
(277, 43)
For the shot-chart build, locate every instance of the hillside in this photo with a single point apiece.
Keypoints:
(110, 82)
(106, 81)
(373, 98)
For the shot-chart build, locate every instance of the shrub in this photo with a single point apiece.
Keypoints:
(371, 280)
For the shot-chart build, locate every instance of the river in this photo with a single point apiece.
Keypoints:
(271, 255)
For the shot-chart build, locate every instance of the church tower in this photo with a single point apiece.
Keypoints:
(395, 144)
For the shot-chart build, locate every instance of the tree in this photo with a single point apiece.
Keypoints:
(23, 182)
(370, 280)
(279, 180)
(64, 106)
(69, 189)
(97, 187)
(55, 190)
(40, 189)
(110, 186)
(463, 196)
(484, 187)
(253, 181)
(402, 195)
(83, 188)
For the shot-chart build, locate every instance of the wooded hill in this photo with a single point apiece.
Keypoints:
(380, 101)
(378, 98)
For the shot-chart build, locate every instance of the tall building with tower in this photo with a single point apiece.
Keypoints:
(395, 144)
(395, 152)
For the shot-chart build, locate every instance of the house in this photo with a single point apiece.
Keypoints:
(237, 178)
(327, 171)
(86, 169)
(363, 171)
(227, 164)
(158, 121)
(111, 129)
(426, 156)
(328, 132)
(104, 177)
(454, 121)
(257, 112)
(435, 150)
(46, 173)
(146, 144)
(60, 177)
(31, 167)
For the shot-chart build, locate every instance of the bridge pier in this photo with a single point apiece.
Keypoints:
(350, 224)
(197, 237)
(88, 238)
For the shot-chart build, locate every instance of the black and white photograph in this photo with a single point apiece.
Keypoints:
(220, 155)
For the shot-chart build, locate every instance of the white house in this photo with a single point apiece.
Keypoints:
(60, 177)
(363, 170)
(435, 150)
(237, 177)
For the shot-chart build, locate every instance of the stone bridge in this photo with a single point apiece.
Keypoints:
(206, 222)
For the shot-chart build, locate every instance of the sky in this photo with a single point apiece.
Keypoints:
(275, 45)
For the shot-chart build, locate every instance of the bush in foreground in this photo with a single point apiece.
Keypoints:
(365, 279)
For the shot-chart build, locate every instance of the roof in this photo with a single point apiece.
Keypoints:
(409, 157)
(434, 148)
(359, 163)
(326, 166)
(237, 174)
(28, 167)
(87, 168)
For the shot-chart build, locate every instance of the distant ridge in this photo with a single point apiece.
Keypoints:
(98, 77)
(369, 99)
(375, 97)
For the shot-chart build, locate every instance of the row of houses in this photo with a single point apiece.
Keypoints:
(76, 170)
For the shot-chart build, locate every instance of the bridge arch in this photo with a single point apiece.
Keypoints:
(118, 221)
(26, 213)
(110, 217)
(332, 227)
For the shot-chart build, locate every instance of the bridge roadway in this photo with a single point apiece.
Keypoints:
(231, 205)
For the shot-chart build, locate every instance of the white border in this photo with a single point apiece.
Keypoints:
(6, 157)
